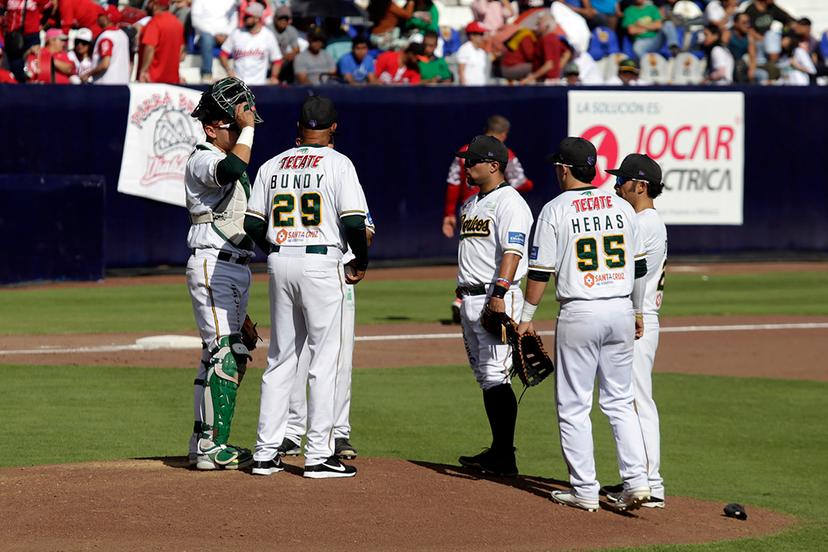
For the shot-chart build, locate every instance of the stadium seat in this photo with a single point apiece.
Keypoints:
(687, 69)
(603, 42)
(655, 69)
(823, 45)
(627, 49)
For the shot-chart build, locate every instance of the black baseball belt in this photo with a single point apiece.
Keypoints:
(229, 257)
(313, 249)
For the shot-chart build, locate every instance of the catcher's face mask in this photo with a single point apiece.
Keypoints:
(220, 100)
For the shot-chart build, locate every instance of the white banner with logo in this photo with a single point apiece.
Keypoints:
(160, 137)
(697, 137)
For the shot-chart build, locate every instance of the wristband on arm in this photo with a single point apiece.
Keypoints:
(528, 311)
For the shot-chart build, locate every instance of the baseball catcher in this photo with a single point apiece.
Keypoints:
(218, 276)
(530, 362)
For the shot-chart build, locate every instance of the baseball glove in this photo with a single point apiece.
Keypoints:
(249, 334)
(530, 362)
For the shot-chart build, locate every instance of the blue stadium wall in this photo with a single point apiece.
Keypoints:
(401, 141)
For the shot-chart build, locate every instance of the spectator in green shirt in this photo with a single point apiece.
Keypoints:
(433, 69)
(426, 17)
(648, 29)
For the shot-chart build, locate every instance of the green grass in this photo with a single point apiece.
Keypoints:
(756, 441)
(166, 308)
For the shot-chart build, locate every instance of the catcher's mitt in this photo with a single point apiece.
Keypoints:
(530, 362)
(249, 335)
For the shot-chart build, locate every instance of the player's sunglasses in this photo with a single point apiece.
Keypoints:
(621, 180)
(472, 162)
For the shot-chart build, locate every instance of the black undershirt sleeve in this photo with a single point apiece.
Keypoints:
(357, 240)
(230, 169)
(539, 276)
(256, 228)
(640, 267)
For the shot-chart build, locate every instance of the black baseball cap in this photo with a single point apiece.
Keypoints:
(574, 151)
(485, 148)
(318, 113)
(638, 167)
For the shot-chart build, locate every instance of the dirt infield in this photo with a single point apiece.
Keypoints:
(391, 505)
(771, 353)
(148, 504)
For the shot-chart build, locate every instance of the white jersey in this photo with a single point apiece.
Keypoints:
(204, 195)
(303, 193)
(589, 238)
(113, 43)
(252, 54)
(491, 226)
(653, 235)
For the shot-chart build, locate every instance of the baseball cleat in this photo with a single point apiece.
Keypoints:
(491, 462)
(223, 457)
(567, 498)
(652, 502)
(343, 449)
(630, 499)
(606, 490)
(289, 447)
(330, 468)
(268, 467)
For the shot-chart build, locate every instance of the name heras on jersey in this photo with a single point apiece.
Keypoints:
(474, 227)
(596, 223)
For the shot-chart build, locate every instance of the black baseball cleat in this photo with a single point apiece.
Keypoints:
(330, 468)
(490, 461)
(289, 447)
(611, 489)
(268, 466)
(343, 449)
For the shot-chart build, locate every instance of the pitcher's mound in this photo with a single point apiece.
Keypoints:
(159, 504)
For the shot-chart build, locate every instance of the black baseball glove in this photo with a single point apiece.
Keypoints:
(249, 334)
(530, 362)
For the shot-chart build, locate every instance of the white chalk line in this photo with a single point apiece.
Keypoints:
(414, 337)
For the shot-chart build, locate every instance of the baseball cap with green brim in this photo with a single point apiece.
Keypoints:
(637, 166)
(485, 148)
(574, 151)
(317, 113)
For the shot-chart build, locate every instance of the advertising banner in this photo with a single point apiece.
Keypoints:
(696, 137)
(159, 139)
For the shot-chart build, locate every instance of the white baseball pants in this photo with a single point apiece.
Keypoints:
(490, 359)
(306, 307)
(298, 411)
(219, 291)
(596, 338)
(643, 360)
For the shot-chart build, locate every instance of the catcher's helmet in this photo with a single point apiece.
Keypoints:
(219, 101)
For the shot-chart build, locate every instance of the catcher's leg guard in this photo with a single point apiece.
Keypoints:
(226, 369)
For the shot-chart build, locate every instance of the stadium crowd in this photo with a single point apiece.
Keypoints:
(402, 42)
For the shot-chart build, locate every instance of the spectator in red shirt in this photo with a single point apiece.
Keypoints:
(14, 22)
(76, 14)
(394, 67)
(50, 64)
(6, 77)
(516, 62)
(163, 45)
(552, 54)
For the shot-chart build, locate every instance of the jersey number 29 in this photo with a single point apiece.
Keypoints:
(310, 209)
(615, 256)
